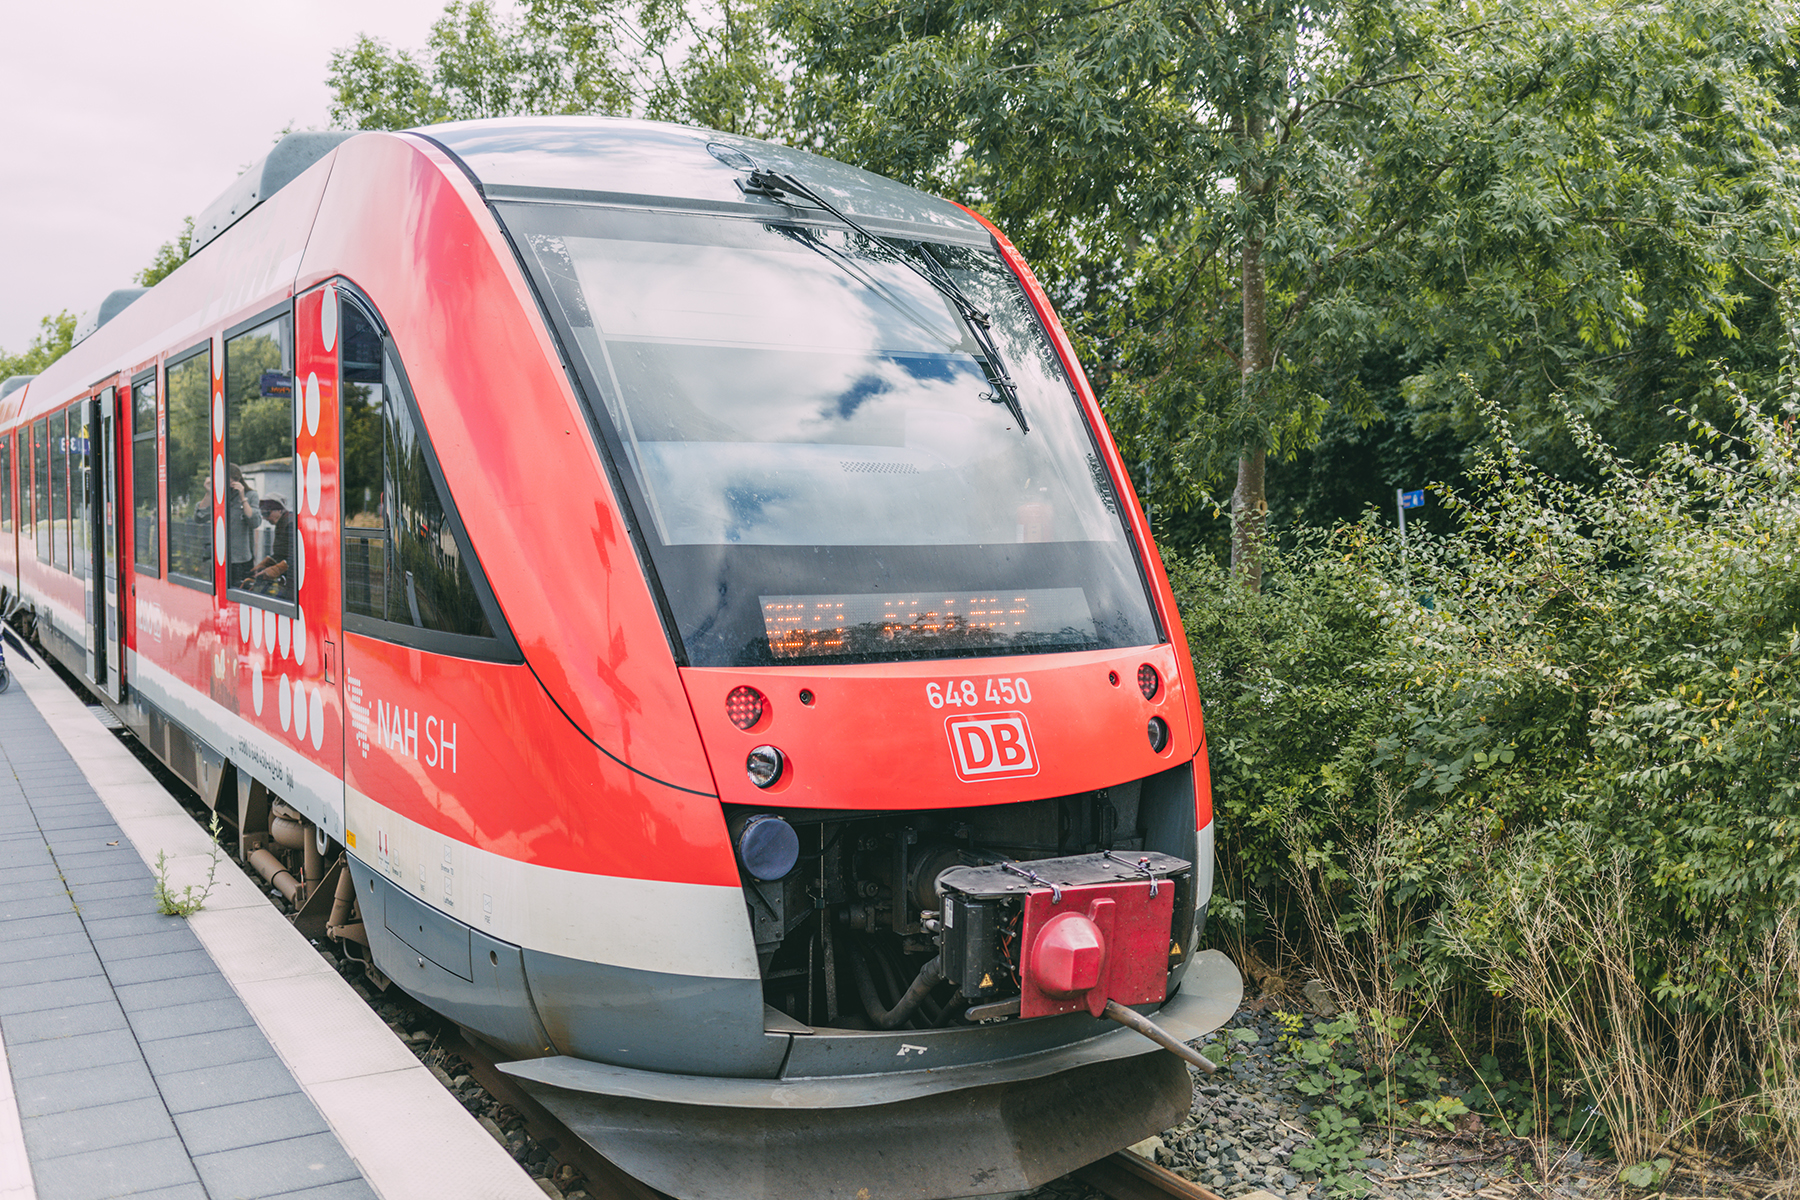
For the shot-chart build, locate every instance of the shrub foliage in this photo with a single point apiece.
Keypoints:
(1430, 758)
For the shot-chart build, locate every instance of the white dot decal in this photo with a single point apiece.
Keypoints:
(243, 622)
(328, 317)
(218, 416)
(218, 477)
(268, 624)
(300, 638)
(312, 482)
(299, 562)
(312, 404)
(285, 703)
(255, 627)
(256, 688)
(219, 540)
(299, 713)
(318, 719)
(284, 629)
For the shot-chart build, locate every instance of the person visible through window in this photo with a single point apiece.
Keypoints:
(269, 577)
(242, 516)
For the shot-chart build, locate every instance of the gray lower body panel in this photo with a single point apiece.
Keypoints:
(1206, 1001)
(995, 1140)
(473, 979)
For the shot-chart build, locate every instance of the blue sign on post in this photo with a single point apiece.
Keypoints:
(1413, 499)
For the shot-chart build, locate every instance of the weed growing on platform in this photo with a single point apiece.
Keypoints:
(186, 903)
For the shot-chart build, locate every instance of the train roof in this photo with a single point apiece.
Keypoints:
(568, 159)
(631, 161)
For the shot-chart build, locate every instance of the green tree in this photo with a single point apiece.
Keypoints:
(711, 63)
(56, 334)
(168, 256)
(1240, 203)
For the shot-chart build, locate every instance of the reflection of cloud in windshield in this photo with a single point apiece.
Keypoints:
(746, 508)
(866, 387)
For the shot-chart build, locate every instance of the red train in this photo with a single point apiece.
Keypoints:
(671, 603)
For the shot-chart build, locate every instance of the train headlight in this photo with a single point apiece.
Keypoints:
(768, 847)
(764, 766)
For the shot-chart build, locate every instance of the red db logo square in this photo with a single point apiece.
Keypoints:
(994, 745)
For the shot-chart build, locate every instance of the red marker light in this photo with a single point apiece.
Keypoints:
(1149, 682)
(744, 705)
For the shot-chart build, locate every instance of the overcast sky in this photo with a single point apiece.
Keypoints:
(120, 117)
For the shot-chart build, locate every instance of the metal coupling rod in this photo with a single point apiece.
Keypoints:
(1159, 1035)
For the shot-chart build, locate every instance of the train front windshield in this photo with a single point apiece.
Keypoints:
(819, 459)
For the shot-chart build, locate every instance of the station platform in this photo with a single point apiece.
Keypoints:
(214, 1057)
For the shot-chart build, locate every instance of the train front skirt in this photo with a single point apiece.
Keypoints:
(993, 1129)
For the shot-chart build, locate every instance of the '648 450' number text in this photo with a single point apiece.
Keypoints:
(955, 693)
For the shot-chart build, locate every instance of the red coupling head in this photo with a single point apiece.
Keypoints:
(1068, 958)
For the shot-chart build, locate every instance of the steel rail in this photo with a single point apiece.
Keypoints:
(1126, 1176)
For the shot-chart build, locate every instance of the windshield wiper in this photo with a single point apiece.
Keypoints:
(925, 264)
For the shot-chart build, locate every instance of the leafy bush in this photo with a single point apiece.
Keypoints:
(1580, 696)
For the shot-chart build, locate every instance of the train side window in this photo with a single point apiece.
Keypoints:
(79, 483)
(145, 546)
(40, 486)
(6, 483)
(188, 391)
(409, 576)
(365, 533)
(59, 490)
(260, 470)
(429, 585)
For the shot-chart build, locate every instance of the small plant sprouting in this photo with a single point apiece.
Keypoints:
(186, 903)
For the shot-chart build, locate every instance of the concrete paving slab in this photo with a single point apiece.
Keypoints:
(169, 941)
(181, 1020)
(342, 1036)
(252, 1123)
(76, 965)
(124, 1124)
(40, 906)
(353, 1189)
(26, 949)
(274, 1168)
(230, 1083)
(186, 964)
(164, 993)
(198, 1050)
(60, 993)
(88, 1087)
(73, 1021)
(118, 1171)
(54, 1056)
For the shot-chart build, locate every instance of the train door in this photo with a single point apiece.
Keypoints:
(319, 591)
(106, 648)
(89, 458)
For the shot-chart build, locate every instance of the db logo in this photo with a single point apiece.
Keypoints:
(993, 745)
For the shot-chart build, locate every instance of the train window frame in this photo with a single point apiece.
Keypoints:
(59, 490)
(209, 585)
(502, 647)
(234, 594)
(6, 482)
(40, 488)
(153, 568)
(80, 438)
(515, 213)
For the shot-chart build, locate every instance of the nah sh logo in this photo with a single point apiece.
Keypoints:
(994, 745)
